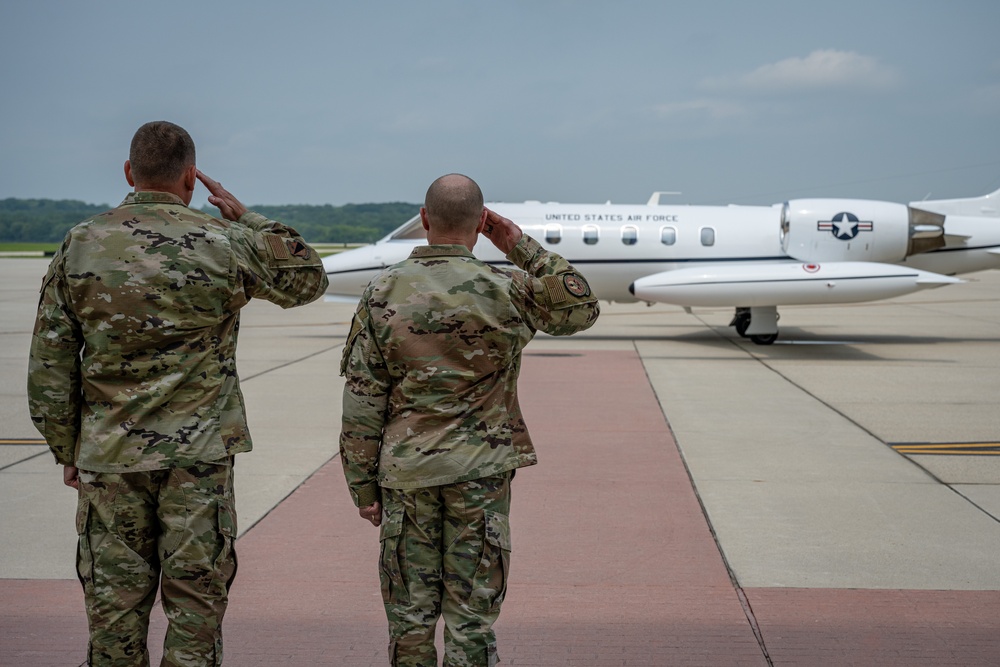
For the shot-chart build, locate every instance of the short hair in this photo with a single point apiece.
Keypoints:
(160, 152)
(454, 202)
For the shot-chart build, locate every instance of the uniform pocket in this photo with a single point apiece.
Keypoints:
(82, 515)
(84, 556)
(225, 563)
(489, 584)
(391, 560)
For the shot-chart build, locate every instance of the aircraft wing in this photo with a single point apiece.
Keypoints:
(784, 284)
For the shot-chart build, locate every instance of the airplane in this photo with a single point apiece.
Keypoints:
(750, 258)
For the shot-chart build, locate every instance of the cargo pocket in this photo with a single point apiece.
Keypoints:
(489, 584)
(84, 555)
(390, 561)
(225, 564)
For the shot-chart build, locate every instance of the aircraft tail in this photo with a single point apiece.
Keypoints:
(986, 206)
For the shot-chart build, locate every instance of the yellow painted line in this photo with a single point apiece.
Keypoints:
(953, 452)
(952, 445)
(21, 441)
(949, 448)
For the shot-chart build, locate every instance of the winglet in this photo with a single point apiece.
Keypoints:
(986, 206)
(654, 199)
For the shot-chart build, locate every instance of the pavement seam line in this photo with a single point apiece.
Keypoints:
(292, 362)
(763, 362)
(17, 463)
(951, 487)
(740, 593)
(287, 495)
(318, 468)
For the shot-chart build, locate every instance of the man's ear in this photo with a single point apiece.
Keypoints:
(190, 178)
(128, 173)
(423, 218)
(482, 222)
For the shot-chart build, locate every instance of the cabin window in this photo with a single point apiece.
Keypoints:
(668, 235)
(591, 234)
(630, 234)
(708, 236)
(553, 234)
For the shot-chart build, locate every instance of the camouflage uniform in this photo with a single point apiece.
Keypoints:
(180, 522)
(132, 379)
(433, 429)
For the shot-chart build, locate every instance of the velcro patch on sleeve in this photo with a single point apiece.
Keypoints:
(554, 289)
(277, 246)
(576, 285)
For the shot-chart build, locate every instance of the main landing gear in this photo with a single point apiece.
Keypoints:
(759, 324)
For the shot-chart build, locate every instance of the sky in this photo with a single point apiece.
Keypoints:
(326, 102)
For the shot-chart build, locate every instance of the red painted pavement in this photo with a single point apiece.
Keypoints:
(613, 564)
(834, 627)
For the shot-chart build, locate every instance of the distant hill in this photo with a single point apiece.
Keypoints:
(48, 220)
(42, 220)
(350, 223)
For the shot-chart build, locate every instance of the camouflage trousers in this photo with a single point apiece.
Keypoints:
(445, 552)
(169, 529)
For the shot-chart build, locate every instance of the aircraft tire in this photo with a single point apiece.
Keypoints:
(742, 324)
(764, 339)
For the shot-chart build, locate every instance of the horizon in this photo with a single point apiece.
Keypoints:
(561, 100)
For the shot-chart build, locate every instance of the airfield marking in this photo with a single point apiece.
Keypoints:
(948, 448)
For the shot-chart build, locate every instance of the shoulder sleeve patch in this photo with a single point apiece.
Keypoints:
(357, 324)
(554, 290)
(282, 252)
(576, 285)
(50, 275)
(277, 246)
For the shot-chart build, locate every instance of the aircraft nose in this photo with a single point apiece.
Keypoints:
(350, 271)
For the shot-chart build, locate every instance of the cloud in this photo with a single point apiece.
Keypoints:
(825, 69)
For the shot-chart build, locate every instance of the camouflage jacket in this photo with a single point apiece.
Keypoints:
(432, 361)
(132, 364)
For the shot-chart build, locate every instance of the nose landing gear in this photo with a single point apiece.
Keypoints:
(759, 324)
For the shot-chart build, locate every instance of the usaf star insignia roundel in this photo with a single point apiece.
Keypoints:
(576, 285)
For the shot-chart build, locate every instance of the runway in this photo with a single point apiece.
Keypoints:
(699, 499)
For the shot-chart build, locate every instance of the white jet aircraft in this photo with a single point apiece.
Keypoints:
(752, 258)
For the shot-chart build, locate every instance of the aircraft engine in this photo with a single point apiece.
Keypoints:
(825, 230)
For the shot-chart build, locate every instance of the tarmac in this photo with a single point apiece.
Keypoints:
(833, 499)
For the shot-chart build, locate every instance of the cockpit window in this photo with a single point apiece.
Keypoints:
(411, 230)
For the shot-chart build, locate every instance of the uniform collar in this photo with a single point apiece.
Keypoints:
(439, 250)
(150, 197)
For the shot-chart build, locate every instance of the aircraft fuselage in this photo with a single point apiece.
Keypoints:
(753, 258)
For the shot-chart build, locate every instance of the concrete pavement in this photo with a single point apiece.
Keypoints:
(701, 500)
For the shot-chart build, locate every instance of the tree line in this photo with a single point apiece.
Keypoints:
(48, 220)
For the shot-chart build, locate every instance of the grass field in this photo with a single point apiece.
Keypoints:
(28, 249)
